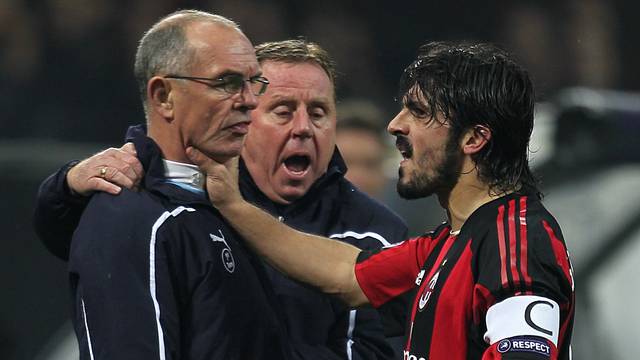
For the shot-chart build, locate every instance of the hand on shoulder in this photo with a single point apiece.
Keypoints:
(107, 171)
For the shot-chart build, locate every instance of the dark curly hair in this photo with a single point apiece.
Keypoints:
(473, 84)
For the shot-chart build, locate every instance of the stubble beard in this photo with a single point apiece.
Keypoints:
(444, 178)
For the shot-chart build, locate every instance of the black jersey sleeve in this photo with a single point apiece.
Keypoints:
(522, 252)
(524, 285)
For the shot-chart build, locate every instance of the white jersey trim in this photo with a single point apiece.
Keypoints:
(526, 315)
(86, 328)
(352, 326)
(360, 236)
(152, 272)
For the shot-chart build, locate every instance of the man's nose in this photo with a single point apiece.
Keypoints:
(247, 99)
(301, 123)
(396, 125)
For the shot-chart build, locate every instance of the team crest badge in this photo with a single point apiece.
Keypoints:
(227, 256)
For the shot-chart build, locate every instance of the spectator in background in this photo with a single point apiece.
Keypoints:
(86, 75)
(582, 31)
(261, 20)
(347, 35)
(361, 141)
(20, 64)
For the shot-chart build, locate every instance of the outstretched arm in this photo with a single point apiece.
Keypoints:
(63, 196)
(321, 262)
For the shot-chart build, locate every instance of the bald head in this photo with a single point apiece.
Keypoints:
(165, 47)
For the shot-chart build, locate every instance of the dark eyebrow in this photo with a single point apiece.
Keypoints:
(414, 104)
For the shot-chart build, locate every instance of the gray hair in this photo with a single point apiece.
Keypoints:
(164, 48)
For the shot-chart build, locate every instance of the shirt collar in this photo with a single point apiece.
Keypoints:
(186, 176)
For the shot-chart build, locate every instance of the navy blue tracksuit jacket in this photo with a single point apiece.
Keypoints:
(157, 274)
(318, 326)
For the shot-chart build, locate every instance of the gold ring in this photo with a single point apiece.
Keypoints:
(103, 172)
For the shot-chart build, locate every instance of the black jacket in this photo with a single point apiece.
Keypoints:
(160, 272)
(320, 327)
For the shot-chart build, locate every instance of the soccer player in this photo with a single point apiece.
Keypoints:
(494, 282)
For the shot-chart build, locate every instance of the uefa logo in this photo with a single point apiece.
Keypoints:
(504, 346)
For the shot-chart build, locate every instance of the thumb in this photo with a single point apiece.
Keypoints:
(222, 178)
(129, 147)
(205, 163)
(232, 164)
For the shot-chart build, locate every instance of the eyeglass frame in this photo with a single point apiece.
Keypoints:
(223, 83)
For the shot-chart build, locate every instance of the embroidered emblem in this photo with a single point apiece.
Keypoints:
(227, 256)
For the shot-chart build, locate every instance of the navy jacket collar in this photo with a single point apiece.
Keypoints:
(150, 156)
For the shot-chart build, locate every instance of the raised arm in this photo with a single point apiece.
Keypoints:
(321, 262)
(63, 196)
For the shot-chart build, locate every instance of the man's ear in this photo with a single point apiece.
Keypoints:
(475, 139)
(160, 97)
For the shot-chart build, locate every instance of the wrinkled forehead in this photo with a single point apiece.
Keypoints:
(298, 77)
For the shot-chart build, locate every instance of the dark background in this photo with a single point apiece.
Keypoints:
(67, 90)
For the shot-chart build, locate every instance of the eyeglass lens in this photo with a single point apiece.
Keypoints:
(234, 84)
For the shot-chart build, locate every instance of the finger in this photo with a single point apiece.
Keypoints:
(98, 184)
(232, 166)
(119, 172)
(205, 163)
(129, 148)
(127, 153)
(137, 168)
(128, 165)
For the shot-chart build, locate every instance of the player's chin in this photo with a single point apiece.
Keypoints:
(223, 154)
(404, 174)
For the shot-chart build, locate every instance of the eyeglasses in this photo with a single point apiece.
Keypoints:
(231, 83)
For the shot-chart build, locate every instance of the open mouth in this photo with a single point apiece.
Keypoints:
(297, 164)
(405, 148)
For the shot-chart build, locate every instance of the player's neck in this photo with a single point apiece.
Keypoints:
(169, 141)
(466, 197)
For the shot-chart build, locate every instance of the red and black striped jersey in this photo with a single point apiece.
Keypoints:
(502, 288)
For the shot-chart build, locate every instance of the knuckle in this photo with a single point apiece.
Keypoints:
(131, 160)
(111, 173)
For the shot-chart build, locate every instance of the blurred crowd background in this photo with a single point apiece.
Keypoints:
(67, 90)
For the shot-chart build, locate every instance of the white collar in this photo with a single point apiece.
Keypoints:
(186, 176)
